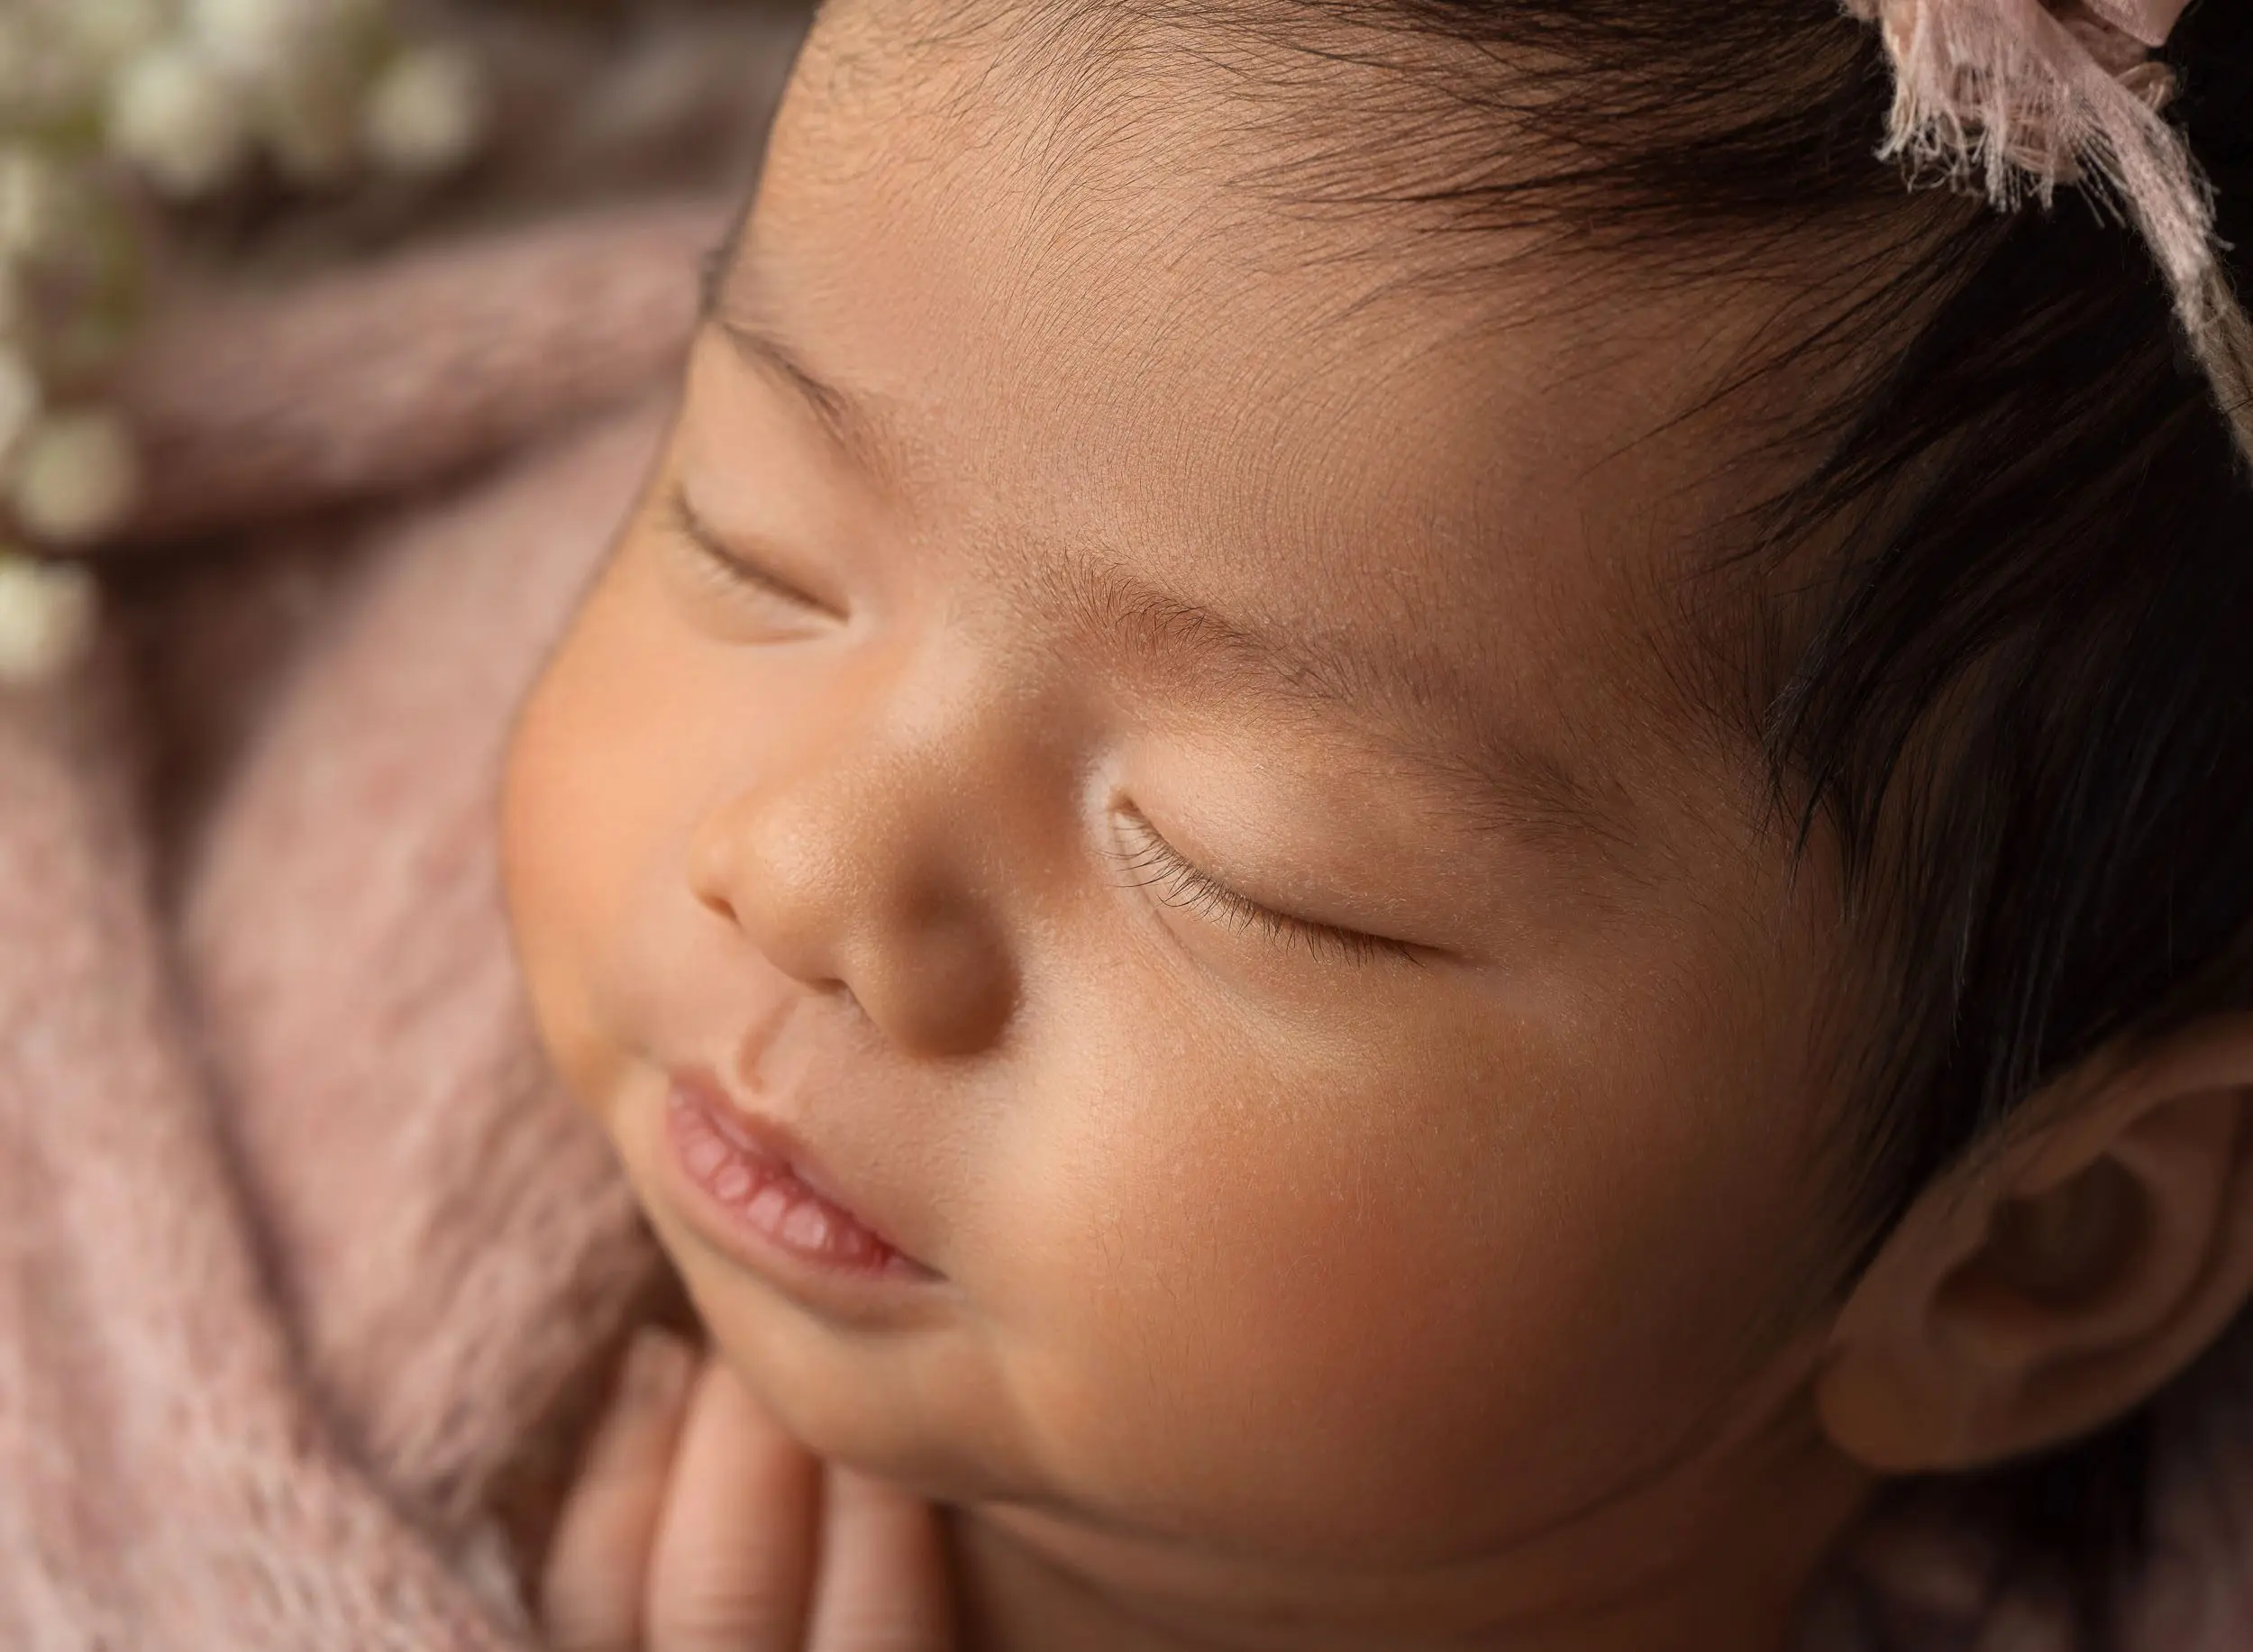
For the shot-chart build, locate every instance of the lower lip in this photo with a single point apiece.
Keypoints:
(760, 1203)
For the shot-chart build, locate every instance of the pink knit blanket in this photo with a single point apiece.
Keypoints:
(308, 1275)
(306, 1271)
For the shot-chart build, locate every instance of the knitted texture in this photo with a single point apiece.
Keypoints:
(248, 407)
(306, 1262)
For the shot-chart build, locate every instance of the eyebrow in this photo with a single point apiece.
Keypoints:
(1503, 779)
(1506, 781)
(855, 428)
(851, 425)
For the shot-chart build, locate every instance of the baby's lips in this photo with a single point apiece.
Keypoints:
(764, 1170)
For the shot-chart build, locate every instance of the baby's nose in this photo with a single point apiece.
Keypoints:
(842, 873)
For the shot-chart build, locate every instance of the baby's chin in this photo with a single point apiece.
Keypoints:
(913, 1399)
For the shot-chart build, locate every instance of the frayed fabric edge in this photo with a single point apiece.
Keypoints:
(2014, 99)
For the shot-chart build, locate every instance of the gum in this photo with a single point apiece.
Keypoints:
(765, 1197)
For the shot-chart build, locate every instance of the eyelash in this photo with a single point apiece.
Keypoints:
(721, 566)
(1153, 863)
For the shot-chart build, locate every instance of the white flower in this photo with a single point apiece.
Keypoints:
(270, 40)
(110, 32)
(21, 399)
(256, 38)
(34, 204)
(77, 478)
(180, 121)
(426, 111)
(48, 616)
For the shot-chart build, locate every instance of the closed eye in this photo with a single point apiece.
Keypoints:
(729, 567)
(1153, 863)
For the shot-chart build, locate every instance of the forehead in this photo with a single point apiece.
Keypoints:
(1089, 309)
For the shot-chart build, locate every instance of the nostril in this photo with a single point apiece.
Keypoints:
(849, 902)
(712, 871)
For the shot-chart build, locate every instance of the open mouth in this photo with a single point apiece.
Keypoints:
(750, 1171)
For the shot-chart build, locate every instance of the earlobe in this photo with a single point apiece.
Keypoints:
(2058, 1280)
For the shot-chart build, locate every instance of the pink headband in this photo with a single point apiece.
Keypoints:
(2147, 23)
(2023, 95)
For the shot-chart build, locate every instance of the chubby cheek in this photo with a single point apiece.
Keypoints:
(1365, 1303)
(589, 802)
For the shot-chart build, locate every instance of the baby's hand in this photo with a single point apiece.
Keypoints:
(698, 1526)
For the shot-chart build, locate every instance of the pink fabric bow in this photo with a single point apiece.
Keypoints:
(2147, 23)
(2022, 96)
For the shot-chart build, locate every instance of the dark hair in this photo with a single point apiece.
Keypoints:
(2017, 693)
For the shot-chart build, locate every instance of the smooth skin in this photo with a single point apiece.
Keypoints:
(1162, 748)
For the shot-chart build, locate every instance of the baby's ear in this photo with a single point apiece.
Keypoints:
(2060, 1277)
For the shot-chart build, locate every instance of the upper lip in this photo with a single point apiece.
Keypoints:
(770, 1139)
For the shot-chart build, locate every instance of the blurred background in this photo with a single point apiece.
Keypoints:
(154, 151)
(336, 339)
(188, 189)
(195, 133)
(476, 112)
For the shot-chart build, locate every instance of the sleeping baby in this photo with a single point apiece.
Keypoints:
(1392, 828)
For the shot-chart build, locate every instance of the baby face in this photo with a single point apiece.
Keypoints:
(1125, 853)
